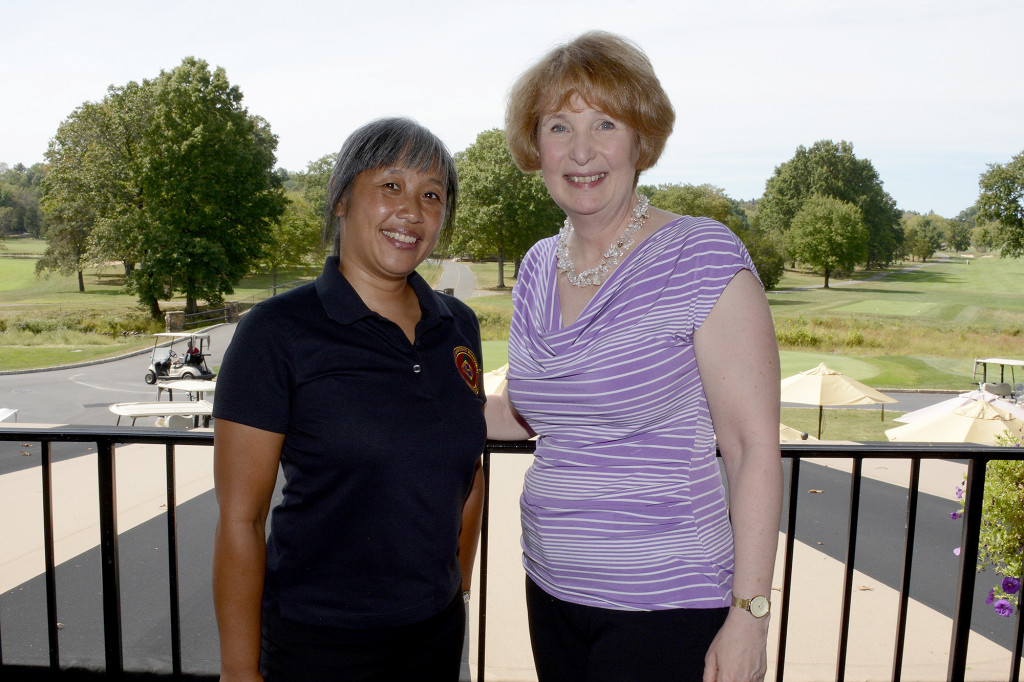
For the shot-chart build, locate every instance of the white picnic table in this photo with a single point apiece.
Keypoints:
(199, 387)
(196, 409)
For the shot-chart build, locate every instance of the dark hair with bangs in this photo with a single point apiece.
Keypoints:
(390, 143)
(609, 73)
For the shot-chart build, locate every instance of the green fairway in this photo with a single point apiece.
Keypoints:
(985, 293)
(916, 328)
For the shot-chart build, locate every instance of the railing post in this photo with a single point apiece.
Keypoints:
(48, 555)
(908, 562)
(111, 581)
(969, 538)
(851, 558)
(172, 561)
(481, 637)
(782, 615)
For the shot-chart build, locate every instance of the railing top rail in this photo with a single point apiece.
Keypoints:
(844, 450)
(847, 450)
(118, 434)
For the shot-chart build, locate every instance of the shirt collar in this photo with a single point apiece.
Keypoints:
(343, 305)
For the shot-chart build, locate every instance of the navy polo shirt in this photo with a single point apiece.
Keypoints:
(381, 440)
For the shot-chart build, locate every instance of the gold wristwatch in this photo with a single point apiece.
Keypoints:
(758, 606)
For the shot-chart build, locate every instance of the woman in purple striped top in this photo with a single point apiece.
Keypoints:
(638, 338)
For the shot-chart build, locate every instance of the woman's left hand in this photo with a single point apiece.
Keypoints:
(739, 650)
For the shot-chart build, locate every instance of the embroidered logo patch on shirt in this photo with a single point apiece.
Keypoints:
(468, 367)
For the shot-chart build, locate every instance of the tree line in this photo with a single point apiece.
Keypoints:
(174, 179)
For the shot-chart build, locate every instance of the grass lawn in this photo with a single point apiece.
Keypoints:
(837, 423)
(47, 321)
(916, 329)
(33, 247)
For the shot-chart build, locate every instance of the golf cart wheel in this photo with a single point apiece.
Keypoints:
(187, 375)
(150, 378)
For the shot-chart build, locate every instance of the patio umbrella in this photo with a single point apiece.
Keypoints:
(979, 422)
(824, 386)
(963, 400)
(788, 434)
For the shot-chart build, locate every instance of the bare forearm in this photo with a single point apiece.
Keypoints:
(472, 517)
(755, 507)
(503, 421)
(239, 560)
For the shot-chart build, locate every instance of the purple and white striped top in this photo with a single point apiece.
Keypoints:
(623, 506)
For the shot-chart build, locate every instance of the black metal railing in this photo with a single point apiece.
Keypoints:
(106, 439)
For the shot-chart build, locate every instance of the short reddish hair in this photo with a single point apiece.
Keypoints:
(609, 73)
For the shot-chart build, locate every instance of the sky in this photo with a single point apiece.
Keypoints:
(931, 92)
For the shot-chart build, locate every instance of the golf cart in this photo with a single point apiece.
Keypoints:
(166, 364)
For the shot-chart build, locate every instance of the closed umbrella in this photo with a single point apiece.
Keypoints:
(825, 386)
(978, 422)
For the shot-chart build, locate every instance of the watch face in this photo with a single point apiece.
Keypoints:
(759, 607)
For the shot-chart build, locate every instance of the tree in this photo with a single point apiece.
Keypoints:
(502, 211)
(923, 235)
(314, 183)
(766, 254)
(174, 178)
(20, 199)
(983, 237)
(705, 200)
(210, 191)
(295, 241)
(67, 246)
(95, 161)
(712, 202)
(829, 235)
(73, 190)
(1002, 200)
(832, 170)
(958, 235)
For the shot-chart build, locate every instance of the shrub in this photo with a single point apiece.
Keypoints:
(494, 325)
(1001, 544)
(854, 338)
(791, 335)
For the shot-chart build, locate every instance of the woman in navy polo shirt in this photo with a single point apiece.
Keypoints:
(364, 387)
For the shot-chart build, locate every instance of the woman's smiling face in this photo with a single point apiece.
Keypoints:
(588, 159)
(392, 220)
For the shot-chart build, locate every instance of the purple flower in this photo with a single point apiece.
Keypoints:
(959, 493)
(957, 514)
(1003, 608)
(1011, 585)
(991, 597)
(957, 551)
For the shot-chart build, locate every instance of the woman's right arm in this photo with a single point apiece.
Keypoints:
(245, 462)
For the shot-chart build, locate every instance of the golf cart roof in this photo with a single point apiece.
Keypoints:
(182, 335)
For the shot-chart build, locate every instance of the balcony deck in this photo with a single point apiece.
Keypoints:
(841, 609)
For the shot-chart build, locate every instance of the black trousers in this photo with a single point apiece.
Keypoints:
(576, 643)
(428, 651)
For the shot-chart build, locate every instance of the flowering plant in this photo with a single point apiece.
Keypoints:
(1002, 527)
